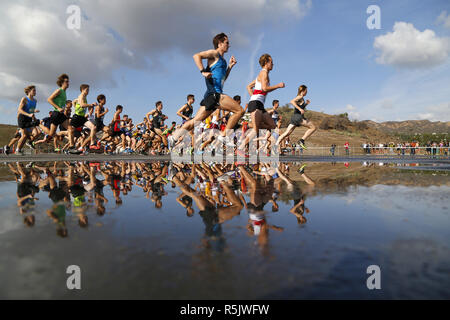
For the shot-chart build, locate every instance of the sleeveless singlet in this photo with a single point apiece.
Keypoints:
(157, 119)
(79, 111)
(258, 93)
(61, 99)
(275, 115)
(117, 124)
(30, 106)
(102, 109)
(188, 111)
(300, 104)
(215, 82)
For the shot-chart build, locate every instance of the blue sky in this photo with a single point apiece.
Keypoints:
(142, 53)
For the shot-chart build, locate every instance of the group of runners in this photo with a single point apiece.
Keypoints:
(84, 130)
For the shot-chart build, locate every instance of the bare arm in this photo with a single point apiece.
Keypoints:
(264, 76)
(250, 87)
(211, 55)
(82, 104)
(179, 112)
(103, 113)
(20, 110)
(230, 66)
(294, 103)
(150, 113)
(52, 97)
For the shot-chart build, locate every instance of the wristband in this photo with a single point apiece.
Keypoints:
(203, 70)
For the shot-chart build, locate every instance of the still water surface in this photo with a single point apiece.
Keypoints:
(181, 231)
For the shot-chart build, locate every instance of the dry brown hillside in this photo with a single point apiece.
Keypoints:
(338, 129)
(410, 126)
(6, 133)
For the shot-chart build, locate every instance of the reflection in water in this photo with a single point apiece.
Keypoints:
(180, 230)
(219, 191)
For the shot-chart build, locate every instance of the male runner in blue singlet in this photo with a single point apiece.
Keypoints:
(215, 73)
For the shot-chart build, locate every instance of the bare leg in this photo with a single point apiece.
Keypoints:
(228, 104)
(22, 139)
(201, 115)
(288, 131)
(311, 129)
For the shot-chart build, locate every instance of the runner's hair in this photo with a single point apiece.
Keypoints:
(219, 38)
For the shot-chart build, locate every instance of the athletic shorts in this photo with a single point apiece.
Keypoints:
(211, 102)
(77, 133)
(61, 128)
(297, 119)
(255, 105)
(99, 124)
(184, 121)
(57, 118)
(25, 122)
(117, 133)
(78, 121)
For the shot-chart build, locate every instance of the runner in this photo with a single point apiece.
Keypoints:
(258, 90)
(298, 119)
(186, 111)
(58, 100)
(25, 116)
(79, 119)
(100, 112)
(215, 73)
(157, 121)
(116, 126)
(274, 111)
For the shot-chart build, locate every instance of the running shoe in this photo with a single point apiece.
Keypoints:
(7, 150)
(241, 153)
(302, 169)
(29, 144)
(57, 149)
(301, 143)
(19, 152)
(94, 147)
(165, 180)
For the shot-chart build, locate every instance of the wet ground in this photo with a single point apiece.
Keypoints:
(162, 230)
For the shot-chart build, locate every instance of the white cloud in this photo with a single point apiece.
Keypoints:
(438, 112)
(444, 19)
(407, 47)
(36, 46)
(351, 111)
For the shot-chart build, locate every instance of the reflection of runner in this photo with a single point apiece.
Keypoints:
(258, 226)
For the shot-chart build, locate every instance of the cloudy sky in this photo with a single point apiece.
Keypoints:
(138, 52)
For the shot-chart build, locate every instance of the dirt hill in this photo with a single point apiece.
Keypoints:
(410, 126)
(6, 133)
